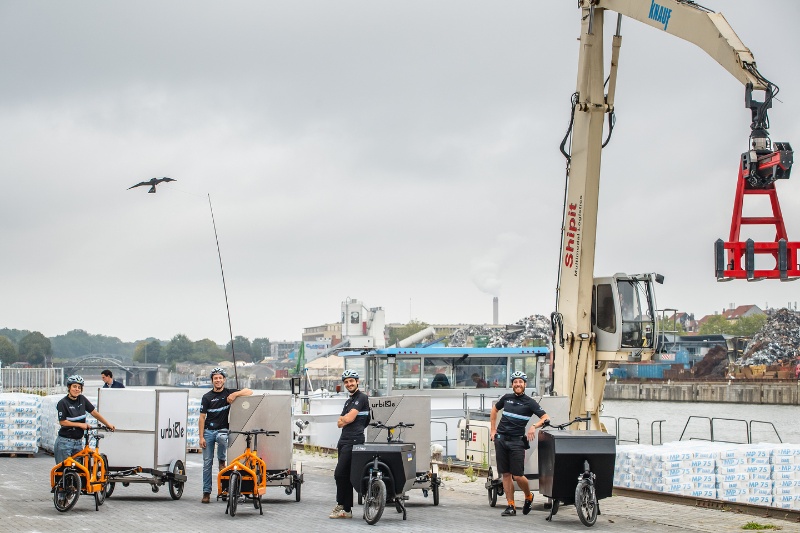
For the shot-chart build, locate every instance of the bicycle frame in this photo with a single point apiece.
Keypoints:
(251, 467)
(88, 463)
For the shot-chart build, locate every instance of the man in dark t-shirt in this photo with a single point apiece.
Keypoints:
(511, 439)
(72, 412)
(353, 421)
(213, 425)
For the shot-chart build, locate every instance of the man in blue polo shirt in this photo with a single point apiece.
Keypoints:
(511, 440)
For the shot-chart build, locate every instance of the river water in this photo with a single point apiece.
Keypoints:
(676, 415)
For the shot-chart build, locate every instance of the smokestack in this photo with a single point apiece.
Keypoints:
(495, 312)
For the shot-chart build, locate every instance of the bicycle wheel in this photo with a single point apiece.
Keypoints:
(297, 486)
(68, 489)
(586, 503)
(176, 487)
(375, 501)
(492, 497)
(435, 489)
(234, 486)
(110, 489)
(101, 495)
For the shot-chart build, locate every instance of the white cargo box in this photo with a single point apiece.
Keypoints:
(150, 426)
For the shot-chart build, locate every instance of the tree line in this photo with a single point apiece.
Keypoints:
(34, 348)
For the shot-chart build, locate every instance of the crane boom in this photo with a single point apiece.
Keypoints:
(581, 356)
(691, 22)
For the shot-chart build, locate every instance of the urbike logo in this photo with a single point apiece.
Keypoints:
(659, 13)
(572, 238)
(383, 403)
(173, 431)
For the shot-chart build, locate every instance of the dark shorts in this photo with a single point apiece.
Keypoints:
(510, 454)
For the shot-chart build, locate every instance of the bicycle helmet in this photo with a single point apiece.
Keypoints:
(219, 371)
(519, 375)
(75, 379)
(349, 374)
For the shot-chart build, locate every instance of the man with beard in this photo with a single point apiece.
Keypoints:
(511, 440)
(353, 421)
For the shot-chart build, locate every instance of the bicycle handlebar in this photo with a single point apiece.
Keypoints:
(381, 425)
(256, 432)
(92, 433)
(567, 424)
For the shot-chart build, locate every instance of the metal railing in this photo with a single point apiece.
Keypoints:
(446, 439)
(713, 432)
(652, 432)
(481, 402)
(32, 380)
(618, 428)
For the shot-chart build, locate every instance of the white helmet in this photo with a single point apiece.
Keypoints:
(349, 374)
(519, 375)
(219, 371)
(75, 379)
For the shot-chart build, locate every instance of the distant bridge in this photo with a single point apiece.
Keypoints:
(135, 373)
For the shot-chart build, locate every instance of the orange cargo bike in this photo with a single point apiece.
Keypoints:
(246, 476)
(86, 472)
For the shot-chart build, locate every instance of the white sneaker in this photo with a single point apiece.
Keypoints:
(342, 514)
(336, 510)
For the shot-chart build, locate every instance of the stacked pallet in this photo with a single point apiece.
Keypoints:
(755, 474)
(192, 428)
(19, 423)
(49, 420)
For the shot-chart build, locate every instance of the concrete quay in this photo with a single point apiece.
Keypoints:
(26, 505)
(752, 392)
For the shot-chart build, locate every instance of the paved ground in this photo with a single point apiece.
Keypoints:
(26, 505)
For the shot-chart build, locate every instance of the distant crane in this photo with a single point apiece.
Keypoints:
(152, 183)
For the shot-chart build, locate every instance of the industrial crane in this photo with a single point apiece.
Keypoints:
(601, 320)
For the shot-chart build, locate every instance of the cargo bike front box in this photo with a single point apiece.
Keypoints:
(149, 444)
(271, 412)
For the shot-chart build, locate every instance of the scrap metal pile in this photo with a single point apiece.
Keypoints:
(778, 340)
(534, 327)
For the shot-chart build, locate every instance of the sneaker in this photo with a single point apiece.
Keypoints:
(510, 511)
(342, 514)
(526, 508)
(336, 510)
(206, 497)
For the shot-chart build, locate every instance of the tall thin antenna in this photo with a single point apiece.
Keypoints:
(225, 290)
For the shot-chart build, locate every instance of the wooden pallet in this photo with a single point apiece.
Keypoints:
(16, 454)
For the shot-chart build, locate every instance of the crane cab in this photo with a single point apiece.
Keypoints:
(624, 316)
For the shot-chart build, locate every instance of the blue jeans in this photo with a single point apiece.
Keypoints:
(220, 439)
(65, 447)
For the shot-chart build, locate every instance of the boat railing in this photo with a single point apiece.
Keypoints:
(481, 402)
(714, 431)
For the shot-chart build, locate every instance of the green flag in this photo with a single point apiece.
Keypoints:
(301, 359)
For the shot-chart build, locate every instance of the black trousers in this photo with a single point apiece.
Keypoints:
(344, 488)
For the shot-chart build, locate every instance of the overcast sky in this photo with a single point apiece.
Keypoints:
(404, 153)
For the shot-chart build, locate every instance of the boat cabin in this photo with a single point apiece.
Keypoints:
(399, 370)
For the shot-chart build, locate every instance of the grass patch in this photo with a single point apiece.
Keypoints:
(760, 527)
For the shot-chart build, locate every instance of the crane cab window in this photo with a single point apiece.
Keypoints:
(605, 316)
(636, 314)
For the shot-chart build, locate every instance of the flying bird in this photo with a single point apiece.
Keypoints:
(152, 183)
